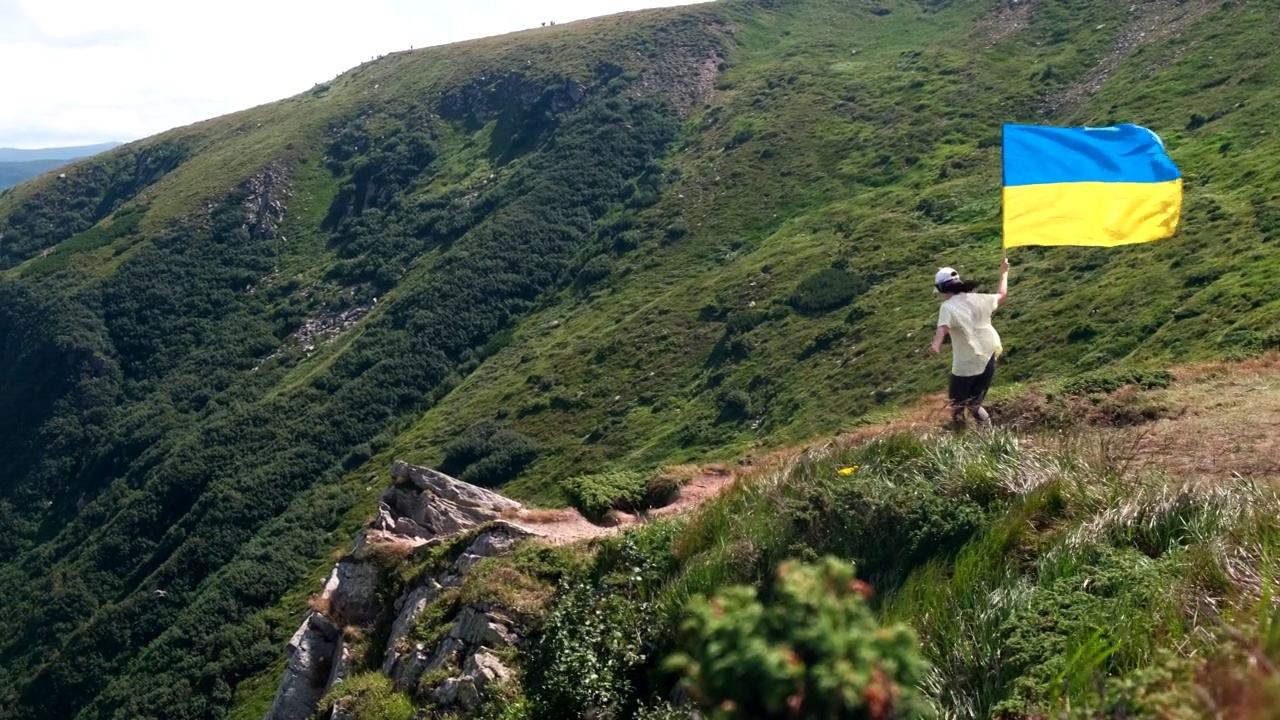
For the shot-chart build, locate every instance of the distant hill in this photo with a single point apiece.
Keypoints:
(8, 155)
(18, 165)
(12, 173)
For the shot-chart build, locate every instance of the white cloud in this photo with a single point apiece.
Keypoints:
(84, 71)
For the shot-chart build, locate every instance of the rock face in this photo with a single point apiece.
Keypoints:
(422, 507)
(268, 193)
(467, 690)
(311, 651)
(474, 628)
(350, 590)
(439, 505)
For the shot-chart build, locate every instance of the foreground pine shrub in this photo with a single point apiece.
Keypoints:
(814, 650)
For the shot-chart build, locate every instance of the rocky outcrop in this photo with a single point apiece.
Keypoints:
(409, 611)
(264, 207)
(421, 508)
(311, 653)
(350, 589)
(436, 505)
(474, 628)
(467, 690)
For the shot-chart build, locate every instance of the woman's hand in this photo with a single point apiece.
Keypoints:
(936, 347)
(1004, 265)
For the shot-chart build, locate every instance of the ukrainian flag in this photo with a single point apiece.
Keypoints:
(1088, 186)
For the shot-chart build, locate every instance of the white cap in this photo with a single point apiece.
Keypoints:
(945, 274)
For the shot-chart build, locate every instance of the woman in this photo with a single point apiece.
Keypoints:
(975, 345)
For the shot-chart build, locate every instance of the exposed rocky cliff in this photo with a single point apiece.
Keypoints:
(420, 511)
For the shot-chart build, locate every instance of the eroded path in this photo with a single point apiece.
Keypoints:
(560, 527)
(1217, 422)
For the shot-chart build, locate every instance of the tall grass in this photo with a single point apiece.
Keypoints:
(1043, 575)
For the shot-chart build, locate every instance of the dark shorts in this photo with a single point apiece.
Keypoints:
(971, 390)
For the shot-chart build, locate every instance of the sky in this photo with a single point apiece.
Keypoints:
(87, 71)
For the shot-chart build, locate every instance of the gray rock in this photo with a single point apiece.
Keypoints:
(487, 668)
(409, 528)
(311, 651)
(384, 521)
(448, 652)
(341, 671)
(491, 543)
(352, 598)
(444, 505)
(482, 670)
(465, 562)
(408, 667)
(341, 663)
(478, 628)
(410, 611)
(457, 691)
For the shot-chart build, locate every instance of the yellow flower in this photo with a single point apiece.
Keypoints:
(848, 470)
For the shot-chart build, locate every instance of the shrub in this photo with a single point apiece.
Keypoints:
(596, 269)
(595, 495)
(814, 650)
(734, 405)
(1105, 381)
(827, 290)
(487, 454)
(744, 321)
(588, 655)
(1081, 333)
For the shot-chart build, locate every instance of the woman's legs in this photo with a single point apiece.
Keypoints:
(981, 385)
(969, 392)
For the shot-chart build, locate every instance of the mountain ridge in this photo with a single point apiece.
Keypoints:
(69, 152)
(610, 245)
(18, 165)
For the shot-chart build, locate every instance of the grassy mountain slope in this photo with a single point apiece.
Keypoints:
(870, 145)
(1104, 555)
(627, 241)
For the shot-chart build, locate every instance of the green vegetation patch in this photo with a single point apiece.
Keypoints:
(630, 491)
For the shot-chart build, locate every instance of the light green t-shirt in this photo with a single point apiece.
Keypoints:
(973, 340)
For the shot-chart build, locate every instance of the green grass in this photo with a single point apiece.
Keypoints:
(763, 283)
(811, 188)
(1064, 583)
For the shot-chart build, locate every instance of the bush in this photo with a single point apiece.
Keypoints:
(827, 290)
(487, 454)
(627, 490)
(596, 269)
(1105, 381)
(734, 405)
(588, 656)
(815, 650)
(1081, 333)
(744, 321)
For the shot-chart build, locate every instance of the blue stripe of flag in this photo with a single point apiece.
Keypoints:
(1037, 155)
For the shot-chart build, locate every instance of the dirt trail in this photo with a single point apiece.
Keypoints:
(1219, 421)
(1225, 422)
(560, 527)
